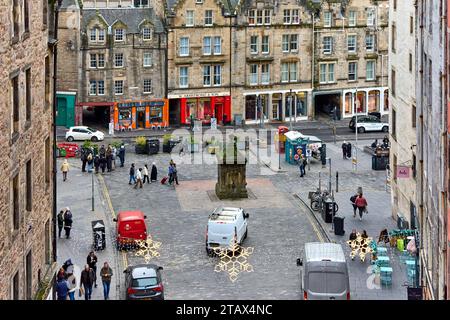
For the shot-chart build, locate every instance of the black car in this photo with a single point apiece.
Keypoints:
(144, 282)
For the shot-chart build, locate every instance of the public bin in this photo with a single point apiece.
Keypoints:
(338, 223)
(99, 235)
(379, 163)
(152, 146)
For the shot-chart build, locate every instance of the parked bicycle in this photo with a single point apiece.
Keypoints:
(317, 198)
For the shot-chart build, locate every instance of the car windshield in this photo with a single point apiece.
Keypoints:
(91, 130)
(144, 282)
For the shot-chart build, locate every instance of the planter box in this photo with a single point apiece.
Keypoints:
(140, 149)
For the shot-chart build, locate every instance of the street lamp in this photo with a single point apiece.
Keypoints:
(290, 109)
(92, 185)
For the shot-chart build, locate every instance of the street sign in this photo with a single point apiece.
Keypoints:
(213, 123)
(403, 172)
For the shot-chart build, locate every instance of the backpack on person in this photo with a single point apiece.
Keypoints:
(353, 199)
(89, 157)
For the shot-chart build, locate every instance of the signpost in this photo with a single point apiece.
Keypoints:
(213, 123)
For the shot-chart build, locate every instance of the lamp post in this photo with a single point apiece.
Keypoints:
(92, 185)
(290, 109)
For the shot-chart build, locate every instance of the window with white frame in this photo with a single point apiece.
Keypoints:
(184, 46)
(326, 73)
(293, 71)
(147, 85)
(184, 77)
(285, 72)
(101, 88)
(118, 60)
(267, 17)
(118, 35)
(208, 17)
(190, 18)
(265, 73)
(254, 44)
(206, 76)
(370, 17)
(147, 34)
(351, 43)
(101, 60)
(327, 19)
(287, 16)
(352, 71)
(294, 42)
(147, 59)
(265, 44)
(295, 17)
(217, 45)
(118, 87)
(93, 35)
(352, 18)
(370, 42)
(92, 88)
(252, 17)
(259, 17)
(199, 1)
(289, 71)
(327, 45)
(285, 42)
(207, 46)
(101, 35)
(93, 60)
(217, 75)
(370, 70)
(253, 74)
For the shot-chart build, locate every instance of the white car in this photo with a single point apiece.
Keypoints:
(368, 123)
(84, 133)
(226, 225)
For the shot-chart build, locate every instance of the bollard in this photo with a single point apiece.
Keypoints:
(337, 182)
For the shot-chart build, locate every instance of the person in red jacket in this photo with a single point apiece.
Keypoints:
(361, 204)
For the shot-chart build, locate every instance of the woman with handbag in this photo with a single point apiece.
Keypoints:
(361, 204)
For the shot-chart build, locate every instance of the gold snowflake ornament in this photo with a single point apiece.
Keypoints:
(361, 245)
(233, 260)
(147, 249)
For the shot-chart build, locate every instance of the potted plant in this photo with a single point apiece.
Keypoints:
(141, 145)
(88, 144)
(192, 144)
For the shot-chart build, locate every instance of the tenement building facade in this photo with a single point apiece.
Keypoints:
(27, 253)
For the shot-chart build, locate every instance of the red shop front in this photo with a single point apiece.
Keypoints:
(203, 109)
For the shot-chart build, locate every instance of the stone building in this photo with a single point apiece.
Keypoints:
(116, 59)
(27, 252)
(431, 144)
(448, 151)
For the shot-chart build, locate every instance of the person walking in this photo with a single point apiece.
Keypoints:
(72, 285)
(92, 262)
(364, 234)
(138, 178)
(361, 203)
(96, 163)
(122, 155)
(154, 173)
(86, 281)
(103, 163)
(301, 165)
(67, 222)
(170, 173)
(175, 173)
(60, 218)
(65, 169)
(109, 158)
(145, 171)
(353, 237)
(106, 274)
(132, 174)
(90, 161)
(353, 202)
(113, 157)
(102, 151)
(349, 150)
(344, 150)
(83, 158)
(62, 288)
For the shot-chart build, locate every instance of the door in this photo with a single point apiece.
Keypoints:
(218, 112)
(275, 111)
(85, 134)
(62, 112)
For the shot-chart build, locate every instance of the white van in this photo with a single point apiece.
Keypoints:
(224, 224)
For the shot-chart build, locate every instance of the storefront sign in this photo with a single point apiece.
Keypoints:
(403, 172)
(198, 95)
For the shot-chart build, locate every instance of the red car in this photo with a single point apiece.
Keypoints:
(130, 227)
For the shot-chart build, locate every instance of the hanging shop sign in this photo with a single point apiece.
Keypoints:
(403, 172)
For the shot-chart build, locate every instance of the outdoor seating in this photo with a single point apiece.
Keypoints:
(386, 276)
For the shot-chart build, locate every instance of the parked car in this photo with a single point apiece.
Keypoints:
(224, 226)
(84, 133)
(144, 282)
(324, 273)
(368, 123)
(130, 226)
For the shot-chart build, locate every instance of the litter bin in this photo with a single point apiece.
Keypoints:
(379, 163)
(152, 146)
(62, 152)
(99, 235)
(327, 210)
(338, 225)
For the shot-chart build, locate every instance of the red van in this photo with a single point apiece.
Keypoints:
(130, 226)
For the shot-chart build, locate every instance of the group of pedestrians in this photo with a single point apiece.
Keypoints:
(67, 282)
(141, 175)
(173, 173)
(65, 221)
(346, 150)
(104, 160)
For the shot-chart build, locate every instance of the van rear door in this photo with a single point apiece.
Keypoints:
(327, 286)
(133, 229)
(220, 234)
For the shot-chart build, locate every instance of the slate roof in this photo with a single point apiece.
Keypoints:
(228, 5)
(131, 17)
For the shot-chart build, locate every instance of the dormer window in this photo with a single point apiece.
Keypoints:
(147, 34)
(118, 34)
(97, 35)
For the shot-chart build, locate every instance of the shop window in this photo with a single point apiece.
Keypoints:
(250, 108)
(125, 117)
(156, 114)
(374, 100)
(386, 100)
(300, 108)
(348, 103)
(360, 103)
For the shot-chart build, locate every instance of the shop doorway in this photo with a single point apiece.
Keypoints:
(174, 112)
(140, 119)
(218, 112)
(324, 105)
(97, 117)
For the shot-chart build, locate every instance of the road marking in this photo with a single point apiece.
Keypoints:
(106, 195)
(312, 222)
(125, 260)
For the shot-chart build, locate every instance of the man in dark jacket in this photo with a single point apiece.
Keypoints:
(344, 150)
(132, 174)
(349, 150)
(92, 262)
(106, 274)
(122, 155)
(96, 163)
(67, 222)
(87, 280)
(83, 159)
(102, 151)
(103, 163)
(60, 217)
(109, 158)
(62, 288)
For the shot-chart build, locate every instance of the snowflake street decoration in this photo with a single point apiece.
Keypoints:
(233, 260)
(361, 245)
(147, 249)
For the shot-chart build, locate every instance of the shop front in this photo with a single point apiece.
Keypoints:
(365, 100)
(205, 108)
(153, 114)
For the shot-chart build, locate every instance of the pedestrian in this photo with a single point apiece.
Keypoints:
(132, 174)
(364, 234)
(72, 285)
(83, 158)
(60, 218)
(353, 202)
(349, 150)
(61, 273)
(361, 203)
(109, 158)
(90, 161)
(86, 281)
(106, 274)
(138, 178)
(92, 262)
(65, 169)
(62, 288)
(145, 170)
(114, 155)
(353, 237)
(122, 155)
(96, 163)
(154, 173)
(170, 173)
(344, 150)
(175, 173)
(386, 142)
(102, 151)
(302, 164)
(103, 163)
(67, 222)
